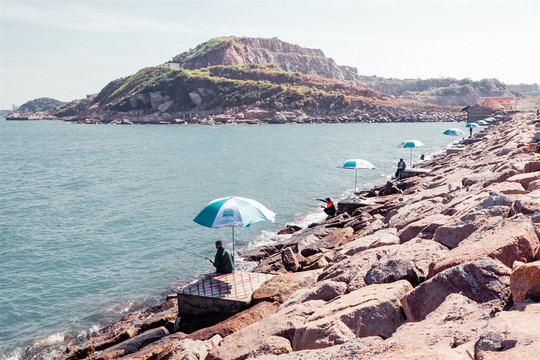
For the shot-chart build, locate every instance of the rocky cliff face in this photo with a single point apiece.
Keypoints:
(241, 51)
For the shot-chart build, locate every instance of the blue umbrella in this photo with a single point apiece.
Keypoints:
(357, 164)
(233, 211)
(473, 125)
(410, 144)
(481, 122)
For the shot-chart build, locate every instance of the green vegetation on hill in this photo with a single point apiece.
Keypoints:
(441, 86)
(223, 86)
(203, 49)
(41, 104)
(71, 108)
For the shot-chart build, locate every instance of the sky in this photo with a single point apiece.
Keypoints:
(65, 49)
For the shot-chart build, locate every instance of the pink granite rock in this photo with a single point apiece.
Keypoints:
(290, 316)
(482, 280)
(533, 185)
(449, 332)
(525, 179)
(372, 310)
(236, 322)
(413, 212)
(420, 251)
(525, 282)
(511, 335)
(346, 270)
(532, 166)
(508, 240)
(132, 345)
(364, 242)
(336, 238)
(280, 287)
(507, 188)
(423, 228)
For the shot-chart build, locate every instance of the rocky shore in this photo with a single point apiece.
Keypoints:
(368, 113)
(442, 266)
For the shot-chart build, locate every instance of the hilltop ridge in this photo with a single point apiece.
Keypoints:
(245, 50)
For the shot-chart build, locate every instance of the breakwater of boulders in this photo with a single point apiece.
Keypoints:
(445, 265)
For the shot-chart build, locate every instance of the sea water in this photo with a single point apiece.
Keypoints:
(95, 219)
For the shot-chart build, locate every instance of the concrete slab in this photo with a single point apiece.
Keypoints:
(219, 293)
(410, 172)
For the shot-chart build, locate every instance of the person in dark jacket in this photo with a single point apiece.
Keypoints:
(223, 261)
(400, 167)
(330, 209)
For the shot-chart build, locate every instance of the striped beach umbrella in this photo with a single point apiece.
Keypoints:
(355, 164)
(482, 122)
(453, 132)
(473, 125)
(410, 144)
(233, 211)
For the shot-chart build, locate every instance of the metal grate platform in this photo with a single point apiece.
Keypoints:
(220, 293)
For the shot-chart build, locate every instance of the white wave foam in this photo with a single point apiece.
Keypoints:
(15, 354)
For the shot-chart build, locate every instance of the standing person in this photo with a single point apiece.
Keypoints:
(400, 167)
(470, 132)
(330, 209)
(223, 261)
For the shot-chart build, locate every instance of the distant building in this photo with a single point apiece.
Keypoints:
(91, 96)
(477, 112)
(507, 102)
(171, 65)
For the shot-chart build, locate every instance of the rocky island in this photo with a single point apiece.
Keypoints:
(440, 266)
(232, 80)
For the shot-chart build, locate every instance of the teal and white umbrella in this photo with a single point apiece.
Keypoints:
(482, 122)
(355, 164)
(473, 125)
(233, 211)
(453, 132)
(410, 144)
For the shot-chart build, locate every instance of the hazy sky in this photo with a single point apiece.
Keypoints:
(66, 49)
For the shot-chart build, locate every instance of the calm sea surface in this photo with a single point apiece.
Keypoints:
(90, 215)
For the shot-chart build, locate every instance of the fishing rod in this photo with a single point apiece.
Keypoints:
(192, 253)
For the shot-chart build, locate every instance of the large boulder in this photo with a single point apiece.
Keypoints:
(525, 179)
(252, 339)
(236, 322)
(525, 282)
(363, 242)
(336, 238)
(449, 332)
(422, 253)
(393, 270)
(280, 287)
(511, 335)
(481, 280)
(508, 240)
(423, 228)
(175, 347)
(455, 231)
(413, 212)
(374, 310)
(352, 267)
(132, 345)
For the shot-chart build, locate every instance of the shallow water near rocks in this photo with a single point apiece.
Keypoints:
(92, 217)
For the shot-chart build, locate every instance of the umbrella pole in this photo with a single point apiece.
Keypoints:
(355, 173)
(411, 159)
(233, 263)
